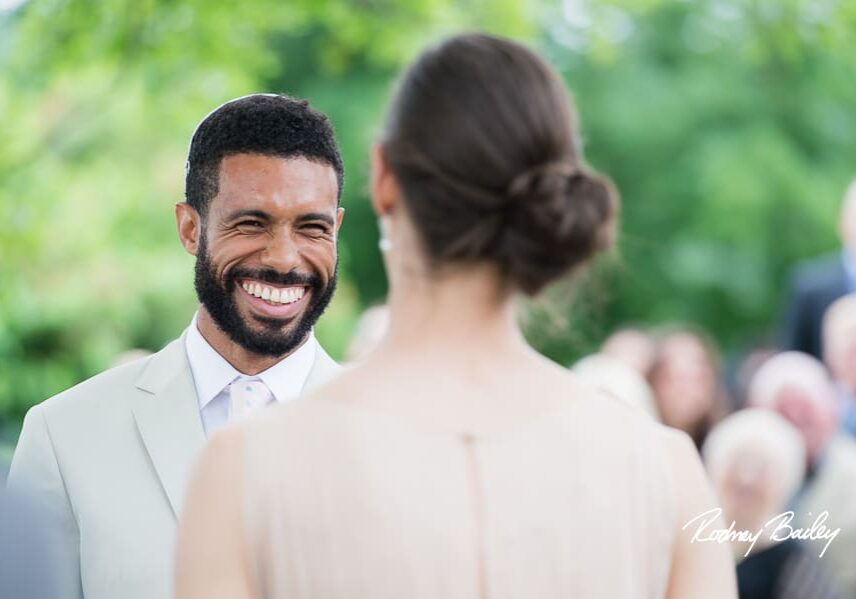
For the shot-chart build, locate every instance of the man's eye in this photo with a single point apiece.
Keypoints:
(249, 224)
(316, 228)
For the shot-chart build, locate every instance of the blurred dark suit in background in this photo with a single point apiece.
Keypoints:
(815, 285)
(819, 282)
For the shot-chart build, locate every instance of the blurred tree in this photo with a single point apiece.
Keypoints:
(98, 102)
(727, 125)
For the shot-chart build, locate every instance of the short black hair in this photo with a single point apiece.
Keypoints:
(268, 124)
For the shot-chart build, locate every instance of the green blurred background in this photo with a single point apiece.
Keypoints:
(728, 125)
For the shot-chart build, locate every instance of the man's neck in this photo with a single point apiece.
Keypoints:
(244, 361)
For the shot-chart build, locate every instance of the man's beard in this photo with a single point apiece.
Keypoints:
(220, 302)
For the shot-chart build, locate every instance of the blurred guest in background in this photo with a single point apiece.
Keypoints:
(685, 379)
(633, 346)
(839, 354)
(616, 378)
(745, 371)
(370, 330)
(756, 462)
(798, 387)
(455, 461)
(818, 283)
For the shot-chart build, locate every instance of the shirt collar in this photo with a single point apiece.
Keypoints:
(212, 373)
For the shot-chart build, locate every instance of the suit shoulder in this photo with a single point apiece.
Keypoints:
(121, 379)
(97, 387)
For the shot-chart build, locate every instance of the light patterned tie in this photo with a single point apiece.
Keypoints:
(246, 397)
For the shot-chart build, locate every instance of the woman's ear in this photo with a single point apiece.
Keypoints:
(189, 226)
(383, 185)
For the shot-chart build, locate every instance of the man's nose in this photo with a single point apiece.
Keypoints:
(281, 252)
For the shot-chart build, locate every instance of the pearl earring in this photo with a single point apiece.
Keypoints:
(384, 243)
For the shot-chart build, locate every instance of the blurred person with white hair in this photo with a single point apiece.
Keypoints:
(798, 387)
(617, 378)
(633, 346)
(816, 284)
(839, 354)
(755, 459)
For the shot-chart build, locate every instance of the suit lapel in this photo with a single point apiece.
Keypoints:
(167, 416)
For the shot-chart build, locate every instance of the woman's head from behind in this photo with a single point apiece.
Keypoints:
(480, 161)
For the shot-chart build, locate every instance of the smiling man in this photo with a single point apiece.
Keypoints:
(108, 460)
(263, 183)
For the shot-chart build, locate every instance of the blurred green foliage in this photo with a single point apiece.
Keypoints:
(728, 126)
(730, 129)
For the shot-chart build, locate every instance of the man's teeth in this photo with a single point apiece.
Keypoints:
(274, 295)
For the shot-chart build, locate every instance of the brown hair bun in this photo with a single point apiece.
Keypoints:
(481, 136)
(557, 221)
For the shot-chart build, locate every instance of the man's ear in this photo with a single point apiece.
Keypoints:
(383, 185)
(189, 225)
(340, 214)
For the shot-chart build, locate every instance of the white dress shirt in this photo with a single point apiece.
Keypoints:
(212, 375)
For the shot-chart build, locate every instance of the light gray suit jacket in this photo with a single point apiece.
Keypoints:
(109, 460)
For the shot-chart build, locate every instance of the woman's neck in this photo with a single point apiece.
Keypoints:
(456, 312)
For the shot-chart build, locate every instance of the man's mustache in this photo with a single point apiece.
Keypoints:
(274, 277)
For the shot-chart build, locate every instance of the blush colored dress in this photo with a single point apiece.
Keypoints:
(342, 502)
